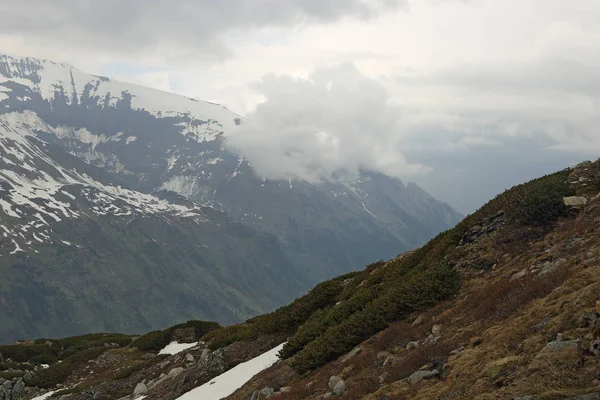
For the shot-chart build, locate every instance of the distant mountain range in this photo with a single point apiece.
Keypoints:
(122, 210)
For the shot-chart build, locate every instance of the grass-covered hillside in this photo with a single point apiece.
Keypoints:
(468, 313)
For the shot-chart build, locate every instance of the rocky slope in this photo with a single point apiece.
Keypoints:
(504, 306)
(115, 196)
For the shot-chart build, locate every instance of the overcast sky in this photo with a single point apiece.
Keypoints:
(464, 97)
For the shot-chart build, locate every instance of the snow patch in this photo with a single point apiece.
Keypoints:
(44, 396)
(230, 381)
(175, 347)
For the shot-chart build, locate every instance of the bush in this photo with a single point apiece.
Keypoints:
(421, 289)
(50, 377)
(24, 353)
(58, 373)
(157, 340)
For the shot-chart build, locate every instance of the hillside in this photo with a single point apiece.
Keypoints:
(504, 306)
(114, 196)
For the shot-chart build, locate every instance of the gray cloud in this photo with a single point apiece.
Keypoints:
(178, 28)
(327, 127)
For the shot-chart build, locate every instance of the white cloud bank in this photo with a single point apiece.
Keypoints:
(329, 126)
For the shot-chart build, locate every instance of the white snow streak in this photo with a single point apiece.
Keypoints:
(228, 382)
(175, 347)
(44, 396)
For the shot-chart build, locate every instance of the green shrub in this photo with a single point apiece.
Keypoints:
(59, 372)
(285, 319)
(421, 289)
(11, 375)
(24, 353)
(50, 377)
(157, 340)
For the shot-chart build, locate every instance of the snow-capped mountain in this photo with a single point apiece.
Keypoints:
(93, 175)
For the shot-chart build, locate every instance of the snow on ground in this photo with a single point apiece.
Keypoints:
(230, 381)
(44, 396)
(174, 348)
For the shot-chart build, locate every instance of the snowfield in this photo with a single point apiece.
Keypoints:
(230, 381)
(175, 347)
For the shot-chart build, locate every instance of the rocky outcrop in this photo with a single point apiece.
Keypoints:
(483, 229)
(420, 375)
(12, 390)
(561, 353)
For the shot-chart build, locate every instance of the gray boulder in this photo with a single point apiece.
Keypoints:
(575, 201)
(140, 389)
(420, 375)
(354, 352)
(333, 381)
(339, 388)
(267, 391)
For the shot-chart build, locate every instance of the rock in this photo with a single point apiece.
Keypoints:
(565, 353)
(519, 275)
(384, 377)
(18, 389)
(189, 357)
(476, 341)
(412, 345)
(28, 377)
(140, 389)
(354, 352)
(346, 371)
(418, 321)
(333, 381)
(175, 372)
(339, 388)
(285, 389)
(552, 266)
(595, 347)
(391, 360)
(500, 369)
(598, 306)
(253, 396)
(420, 375)
(587, 319)
(267, 391)
(575, 201)
(436, 330)
(591, 262)
(324, 396)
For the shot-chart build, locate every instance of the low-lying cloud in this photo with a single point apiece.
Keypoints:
(327, 127)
